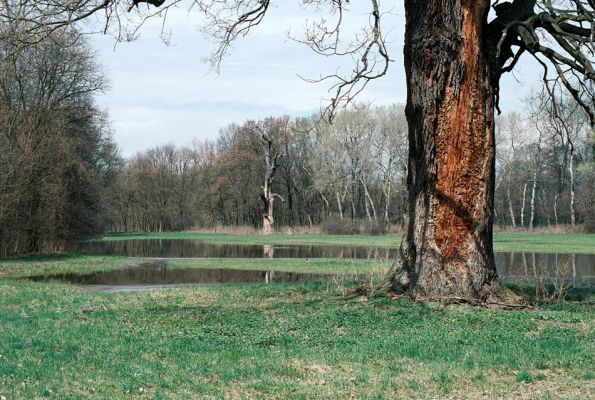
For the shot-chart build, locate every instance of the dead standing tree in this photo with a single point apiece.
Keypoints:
(268, 131)
(454, 58)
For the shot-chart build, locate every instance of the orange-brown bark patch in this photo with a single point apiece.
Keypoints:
(460, 148)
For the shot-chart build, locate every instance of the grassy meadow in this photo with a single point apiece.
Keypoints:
(314, 340)
(528, 242)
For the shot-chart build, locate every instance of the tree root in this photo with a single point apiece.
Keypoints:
(450, 300)
(487, 304)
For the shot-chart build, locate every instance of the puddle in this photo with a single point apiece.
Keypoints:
(158, 275)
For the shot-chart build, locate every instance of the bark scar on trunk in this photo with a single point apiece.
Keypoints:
(460, 149)
(447, 249)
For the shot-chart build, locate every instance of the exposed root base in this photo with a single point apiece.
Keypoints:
(464, 301)
(492, 295)
(487, 304)
(397, 279)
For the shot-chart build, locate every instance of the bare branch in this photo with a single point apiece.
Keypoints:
(227, 21)
(368, 51)
(563, 32)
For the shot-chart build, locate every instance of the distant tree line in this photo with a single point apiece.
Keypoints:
(544, 169)
(353, 169)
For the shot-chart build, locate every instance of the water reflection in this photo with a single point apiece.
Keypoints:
(159, 275)
(576, 268)
(268, 251)
(190, 248)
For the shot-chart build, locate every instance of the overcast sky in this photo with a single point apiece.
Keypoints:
(160, 94)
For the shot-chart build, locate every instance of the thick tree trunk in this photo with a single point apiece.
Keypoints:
(447, 249)
(268, 199)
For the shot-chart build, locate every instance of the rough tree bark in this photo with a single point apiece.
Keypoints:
(447, 249)
(454, 60)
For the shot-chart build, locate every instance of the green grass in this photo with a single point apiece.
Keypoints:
(545, 242)
(81, 264)
(237, 238)
(276, 341)
(60, 263)
(524, 376)
(312, 265)
(528, 242)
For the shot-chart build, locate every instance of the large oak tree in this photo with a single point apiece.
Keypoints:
(454, 60)
(455, 53)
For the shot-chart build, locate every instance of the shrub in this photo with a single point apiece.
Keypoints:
(347, 226)
(373, 228)
(338, 226)
(589, 224)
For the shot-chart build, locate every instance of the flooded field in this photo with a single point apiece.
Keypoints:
(576, 269)
(190, 248)
(157, 274)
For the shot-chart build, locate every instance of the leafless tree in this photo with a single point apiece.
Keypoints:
(270, 131)
(390, 150)
(510, 136)
(56, 154)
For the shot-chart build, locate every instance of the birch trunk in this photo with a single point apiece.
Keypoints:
(523, 205)
(368, 201)
(533, 192)
(339, 205)
(513, 221)
(556, 209)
